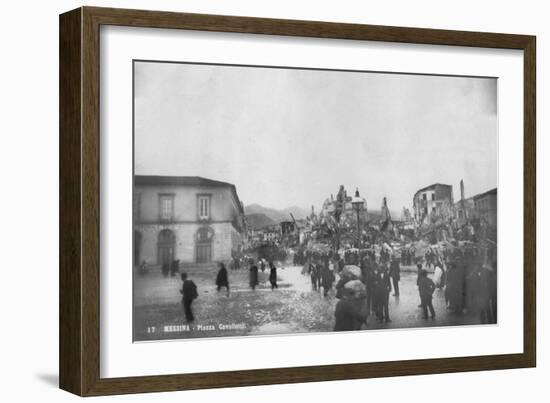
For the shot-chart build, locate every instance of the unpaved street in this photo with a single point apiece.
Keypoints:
(292, 308)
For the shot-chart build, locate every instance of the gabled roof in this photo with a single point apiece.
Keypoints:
(160, 180)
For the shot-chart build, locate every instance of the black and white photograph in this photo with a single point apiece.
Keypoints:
(272, 200)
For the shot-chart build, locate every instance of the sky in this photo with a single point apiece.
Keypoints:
(291, 137)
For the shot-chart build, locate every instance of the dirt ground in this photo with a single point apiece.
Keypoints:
(292, 308)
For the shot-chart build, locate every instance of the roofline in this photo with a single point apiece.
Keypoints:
(432, 186)
(180, 181)
(480, 195)
(177, 180)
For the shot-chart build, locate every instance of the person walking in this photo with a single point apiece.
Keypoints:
(395, 275)
(189, 293)
(426, 289)
(253, 276)
(222, 279)
(273, 276)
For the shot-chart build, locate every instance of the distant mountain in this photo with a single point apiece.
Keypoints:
(299, 213)
(259, 216)
(259, 220)
(275, 215)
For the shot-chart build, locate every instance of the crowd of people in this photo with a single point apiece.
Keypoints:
(468, 282)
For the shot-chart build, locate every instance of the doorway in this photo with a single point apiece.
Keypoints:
(204, 245)
(166, 247)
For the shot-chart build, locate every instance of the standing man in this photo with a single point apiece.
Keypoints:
(395, 275)
(253, 276)
(382, 295)
(370, 283)
(327, 277)
(426, 289)
(273, 276)
(189, 293)
(314, 274)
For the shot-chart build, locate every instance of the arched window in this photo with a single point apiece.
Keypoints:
(204, 235)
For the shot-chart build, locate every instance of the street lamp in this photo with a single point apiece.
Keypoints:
(358, 203)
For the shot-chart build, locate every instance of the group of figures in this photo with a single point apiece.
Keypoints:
(253, 278)
(363, 282)
(469, 285)
(320, 268)
(189, 290)
(366, 292)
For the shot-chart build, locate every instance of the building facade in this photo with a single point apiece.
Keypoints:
(433, 202)
(486, 206)
(187, 218)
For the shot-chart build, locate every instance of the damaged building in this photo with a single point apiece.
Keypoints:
(434, 202)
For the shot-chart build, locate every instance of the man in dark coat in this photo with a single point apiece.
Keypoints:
(314, 272)
(327, 278)
(189, 293)
(222, 279)
(484, 282)
(273, 276)
(454, 288)
(395, 275)
(370, 284)
(348, 313)
(426, 289)
(382, 295)
(253, 277)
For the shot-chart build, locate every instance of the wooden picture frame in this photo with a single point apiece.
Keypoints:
(79, 317)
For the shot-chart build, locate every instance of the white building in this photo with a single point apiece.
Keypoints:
(193, 219)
